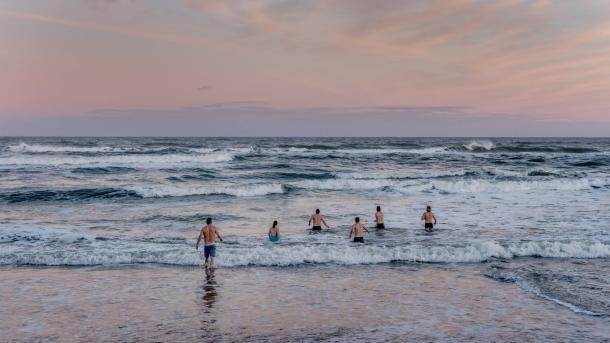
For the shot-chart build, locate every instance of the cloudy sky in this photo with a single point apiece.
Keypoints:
(305, 68)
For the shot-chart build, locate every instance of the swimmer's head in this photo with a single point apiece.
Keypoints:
(209, 220)
(378, 208)
(428, 208)
(317, 210)
(274, 223)
(357, 219)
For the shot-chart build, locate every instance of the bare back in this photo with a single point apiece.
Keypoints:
(428, 217)
(358, 230)
(316, 219)
(209, 234)
(379, 217)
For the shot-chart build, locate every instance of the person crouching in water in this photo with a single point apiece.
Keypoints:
(428, 218)
(358, 231)
(379, 219)
(209, 234)
(274, 232)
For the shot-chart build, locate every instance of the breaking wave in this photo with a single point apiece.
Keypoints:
(479, 145)
(79, 249)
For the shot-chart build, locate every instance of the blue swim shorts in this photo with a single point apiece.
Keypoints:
(209, 250)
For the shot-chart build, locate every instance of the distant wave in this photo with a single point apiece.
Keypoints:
(401, 186)
(241, 190)
(479, 145)
(140, 160)
(140, 191)
(65, 195)
(40, 148)
(451, 186)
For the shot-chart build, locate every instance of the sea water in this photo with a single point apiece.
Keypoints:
(532, 212)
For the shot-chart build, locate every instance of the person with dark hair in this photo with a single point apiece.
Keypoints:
(274, 232)
(429, 218)
(358, 231)
(209, 234)
(317, 220)
(379, 219)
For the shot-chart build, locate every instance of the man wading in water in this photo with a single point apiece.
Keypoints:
(379, 219)
(317, 220)
(429, 218)
(358, 231)
(209, 234)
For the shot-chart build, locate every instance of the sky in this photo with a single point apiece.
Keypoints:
(305, 68)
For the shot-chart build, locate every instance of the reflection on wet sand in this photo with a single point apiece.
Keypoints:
(208, 317)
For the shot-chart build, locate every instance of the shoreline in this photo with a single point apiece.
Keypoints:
(390, 302)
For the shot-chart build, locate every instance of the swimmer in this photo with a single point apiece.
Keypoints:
(379, 219)
(358, 231)
(209, 234)
(274, 232)
(429, 218)
(317, 220)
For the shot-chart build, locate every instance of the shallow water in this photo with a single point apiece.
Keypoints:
(526, 215)
(389, 302)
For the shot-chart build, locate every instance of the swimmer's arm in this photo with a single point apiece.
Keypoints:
(350, 232)
(218, 235)
(310, 219)
(324, 222)
(423, 216)
(198, 240)
(433, 216)
(364, 227)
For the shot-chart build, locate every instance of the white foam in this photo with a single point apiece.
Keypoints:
(479, 186)
(479, 145)
(357, 181)
(346, 184)
(249, 252)
(402, 174)
(178, 190)
(141, 161)
(39, 148)
(325, 152)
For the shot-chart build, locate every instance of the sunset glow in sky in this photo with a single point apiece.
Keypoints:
(514, 67)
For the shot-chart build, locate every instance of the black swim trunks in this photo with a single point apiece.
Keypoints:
(358, 239)
(428, 226)
(380, 226)
(317, 228)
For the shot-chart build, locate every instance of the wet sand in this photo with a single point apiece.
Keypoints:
(391, 302)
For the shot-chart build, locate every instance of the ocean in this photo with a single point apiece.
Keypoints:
(91, 227)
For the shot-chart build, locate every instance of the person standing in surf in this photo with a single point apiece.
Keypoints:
(379, 219)
(317, 220)
(209, 234)
(429, 218)
(274, 232)
(358, 231)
